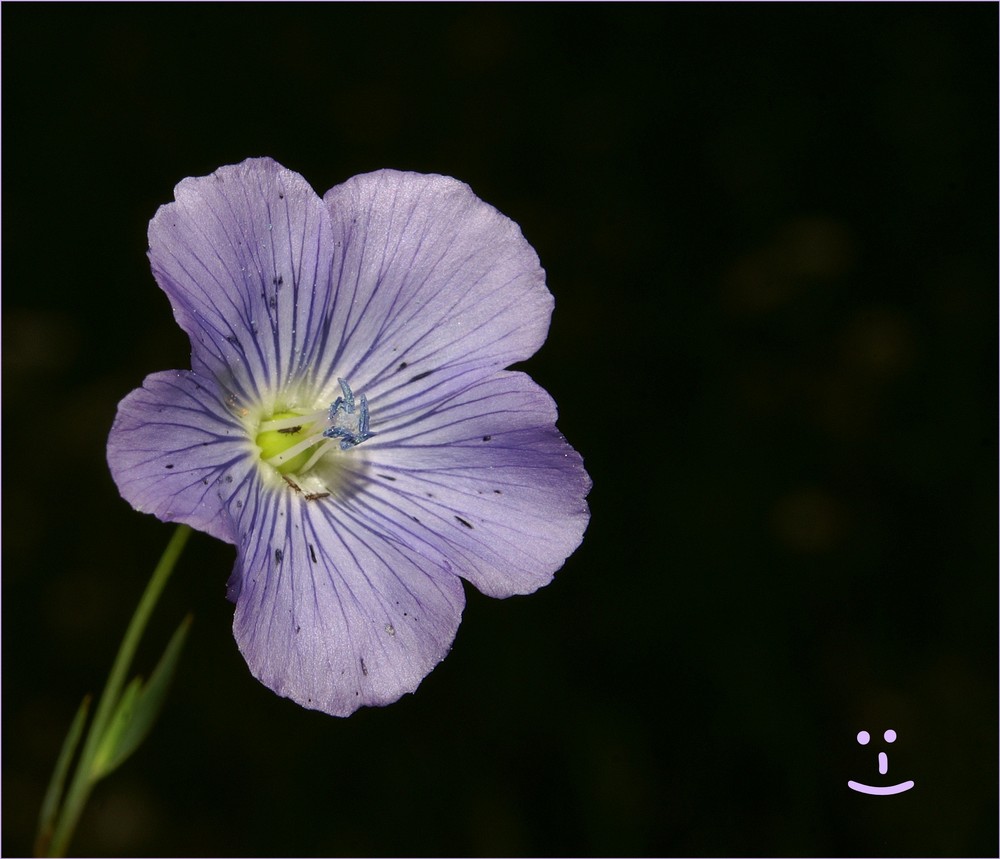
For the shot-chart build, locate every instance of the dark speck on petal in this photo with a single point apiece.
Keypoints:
(466, 524)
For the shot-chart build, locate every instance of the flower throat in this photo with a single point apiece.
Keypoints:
(293, 442)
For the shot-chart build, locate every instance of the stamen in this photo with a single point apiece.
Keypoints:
(320, 450)
(348, 423)
(293, 441)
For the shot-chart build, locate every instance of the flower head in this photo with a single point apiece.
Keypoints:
(347, 422)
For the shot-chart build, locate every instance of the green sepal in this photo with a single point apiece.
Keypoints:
(137, 709)
(53, 795)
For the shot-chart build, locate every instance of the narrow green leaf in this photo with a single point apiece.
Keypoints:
(53, 795)
(138, 709)
(118, 726)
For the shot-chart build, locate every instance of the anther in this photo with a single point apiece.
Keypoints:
(348, 420)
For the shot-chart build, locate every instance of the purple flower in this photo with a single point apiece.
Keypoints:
(347, 422)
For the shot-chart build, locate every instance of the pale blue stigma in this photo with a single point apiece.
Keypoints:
(347, 419)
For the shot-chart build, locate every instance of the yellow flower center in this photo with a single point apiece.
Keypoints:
(275, 443)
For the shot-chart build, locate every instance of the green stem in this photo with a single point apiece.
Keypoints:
(83, 780)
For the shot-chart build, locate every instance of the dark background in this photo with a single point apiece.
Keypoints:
(771, 234)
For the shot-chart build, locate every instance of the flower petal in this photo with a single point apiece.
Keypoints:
(432, 282)
(176, 452)
(331, 613)
(485, 484)
(244, 256)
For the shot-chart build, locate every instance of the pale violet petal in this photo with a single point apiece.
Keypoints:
(175, 451)
(245, 257)
(435, 288)
(484, 483)
(332, 613)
